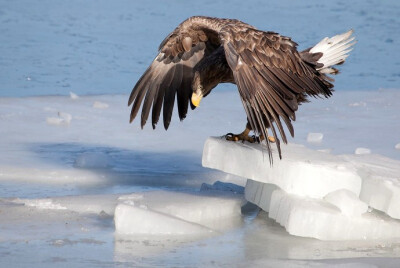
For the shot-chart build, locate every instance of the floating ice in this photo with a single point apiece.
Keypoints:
(46, 203)
(100, 105)
(176, 212)
(397, 146)
(98, 204)
(54, 121)
(380, 182)
(362, 150)
(325, 150)
(136, 220)
(302, 171)
(315, 137)
(316, 218)
(348, 203)
(259, 193)
(303, 191)
(62, 119)
(358, 104)
(73, 96)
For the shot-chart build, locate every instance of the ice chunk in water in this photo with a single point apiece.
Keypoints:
(348, 203)
(302, 171)
(62, 119)
(380, 182)
(259, 193)
(100, 105)
(316, 218)
(136, 220)
(315, 137)
(73, 96)
(205, 210)
(362, 150)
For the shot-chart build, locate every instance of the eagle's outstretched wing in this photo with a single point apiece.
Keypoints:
(171, 73)
(271, 76)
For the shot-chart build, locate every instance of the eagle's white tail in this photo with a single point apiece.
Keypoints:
(335, 50)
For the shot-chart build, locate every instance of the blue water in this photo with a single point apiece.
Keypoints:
(52, 47)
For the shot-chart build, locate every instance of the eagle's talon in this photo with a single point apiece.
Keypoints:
(240, 137)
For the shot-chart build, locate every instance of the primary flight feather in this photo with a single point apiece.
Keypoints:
(272, 77)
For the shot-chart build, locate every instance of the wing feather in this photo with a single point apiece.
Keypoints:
(170, 75)
(271, 78)
(171, 90)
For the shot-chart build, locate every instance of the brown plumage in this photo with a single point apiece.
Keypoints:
(272, 77)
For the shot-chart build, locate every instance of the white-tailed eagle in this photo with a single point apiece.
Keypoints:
(272, 77)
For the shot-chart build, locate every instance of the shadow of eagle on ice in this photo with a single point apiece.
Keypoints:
(272, 77)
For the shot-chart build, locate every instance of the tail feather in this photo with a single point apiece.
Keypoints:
(334, 51)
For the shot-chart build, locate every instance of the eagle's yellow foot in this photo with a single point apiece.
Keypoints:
(240, 137)
(270, 138)
(244, 136)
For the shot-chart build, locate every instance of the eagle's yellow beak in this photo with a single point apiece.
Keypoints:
(196, 99)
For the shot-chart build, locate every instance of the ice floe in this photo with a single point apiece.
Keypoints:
(362, 150)
(315, 137)
(316, 194)
(73, 96)
(165, 212)
(61, 119)
(100, 105)
(302, 171)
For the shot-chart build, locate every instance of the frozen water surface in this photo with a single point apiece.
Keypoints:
(67, 162)
(62, 184)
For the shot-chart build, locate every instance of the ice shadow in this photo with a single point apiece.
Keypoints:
(118, 166)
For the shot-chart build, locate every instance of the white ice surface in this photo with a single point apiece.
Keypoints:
(338, 216)
(133, 220)
(316, 218)
(362, 150)
(315, 137)
(310, 173)
(87, 165)
(100, 105)
(177, 213)
(302, 171)
(381, 182)
(347, 202)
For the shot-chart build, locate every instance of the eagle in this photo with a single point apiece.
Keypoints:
(273, 78)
